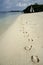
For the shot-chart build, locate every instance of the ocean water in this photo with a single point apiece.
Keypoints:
(7, 19)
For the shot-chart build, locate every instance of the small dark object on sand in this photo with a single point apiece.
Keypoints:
(35, 59)
(23, 32)
(32, 39)
(26, 32)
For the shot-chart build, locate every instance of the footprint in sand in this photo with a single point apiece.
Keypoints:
(28, 48)
(35, 59)
(26, 34)
(30, 39)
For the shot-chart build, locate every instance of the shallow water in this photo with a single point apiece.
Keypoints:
(6, 19)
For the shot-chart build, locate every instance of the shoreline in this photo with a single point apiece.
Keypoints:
(9, 20)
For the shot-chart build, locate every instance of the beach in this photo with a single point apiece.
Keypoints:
(23, 39)
(7, 19)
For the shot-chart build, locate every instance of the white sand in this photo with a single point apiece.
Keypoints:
(26, 31)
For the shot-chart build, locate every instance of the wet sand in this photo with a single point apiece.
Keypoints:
(23, 40)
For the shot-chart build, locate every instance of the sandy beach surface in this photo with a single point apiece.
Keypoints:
(23, 40)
